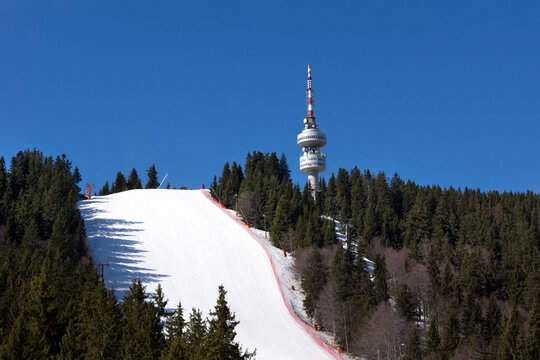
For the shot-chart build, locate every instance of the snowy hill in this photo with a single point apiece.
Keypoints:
(184, 241)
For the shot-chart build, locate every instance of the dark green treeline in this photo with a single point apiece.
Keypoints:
(52, 304)
(464, 263)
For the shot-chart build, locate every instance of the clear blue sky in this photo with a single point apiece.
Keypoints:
(441, 92)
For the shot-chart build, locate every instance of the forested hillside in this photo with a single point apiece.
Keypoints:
(457, 272)
(52, 302)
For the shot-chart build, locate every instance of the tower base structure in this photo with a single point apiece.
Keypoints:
(313, 179)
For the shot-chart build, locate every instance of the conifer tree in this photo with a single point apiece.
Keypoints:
(413, 350)
(159, 304)
(380, 285)
(220, 344)
(447, 281)
(284, 172)
(119, 184)
(492, 322)
(531, 349)
(96, 331)
(450, 338)
(3, 175)
(105, 189)
(471, 322)
(195, 336)
(152, 182)
(176, 347)
(508, 344)
(139, 337)
(329, 233)
(314, 279)
(433, 339)
(406, 302)
(76, 178)
(281, 220)
(133, 181)
(342, 273)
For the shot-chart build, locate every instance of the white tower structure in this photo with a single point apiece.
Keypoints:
(311, 139)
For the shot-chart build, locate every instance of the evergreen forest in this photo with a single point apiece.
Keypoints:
(52, 302)
(457, 271)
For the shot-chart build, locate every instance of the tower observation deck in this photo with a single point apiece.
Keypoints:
(311, 139)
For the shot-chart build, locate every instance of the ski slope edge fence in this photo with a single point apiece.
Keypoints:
(329, 349)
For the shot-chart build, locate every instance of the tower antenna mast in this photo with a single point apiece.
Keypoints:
(311, 139)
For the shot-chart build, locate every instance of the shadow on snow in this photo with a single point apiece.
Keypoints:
(113, 242)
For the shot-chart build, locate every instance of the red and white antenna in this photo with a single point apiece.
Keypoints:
(309, 93)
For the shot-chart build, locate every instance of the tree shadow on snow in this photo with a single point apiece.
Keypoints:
(114, 242)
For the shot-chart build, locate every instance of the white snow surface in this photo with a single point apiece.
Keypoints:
(183, 241)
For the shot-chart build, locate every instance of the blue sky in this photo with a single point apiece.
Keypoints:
(440, 92)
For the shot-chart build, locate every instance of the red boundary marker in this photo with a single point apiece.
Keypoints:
(329, 349)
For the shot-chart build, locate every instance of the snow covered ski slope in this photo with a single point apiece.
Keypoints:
(181, 239)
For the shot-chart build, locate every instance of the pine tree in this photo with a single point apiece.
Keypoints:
(406, 302)
(471, 322)
(139, 337)
(380, 285)
(284, 172)
(119, 184)
(450, 338)
(96, 331)
(433, 339)
(531, 349)
(220, 344)
(76, 178)
(329, 238)
(508, 345)
(492, 322)
(3, 176)
(195, 336)
(133, 181)
(413, 350)
(447, 281)
(281, 220)
(152, 182)
(314, 279)
(105, 189)
(159, 304)
(342, 273)
(176, 347)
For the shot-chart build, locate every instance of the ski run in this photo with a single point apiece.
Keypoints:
(185, 241)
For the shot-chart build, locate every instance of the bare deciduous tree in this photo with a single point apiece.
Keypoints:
(246, 206)
(383, 335)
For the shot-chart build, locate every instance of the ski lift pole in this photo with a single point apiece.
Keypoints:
(162, 180)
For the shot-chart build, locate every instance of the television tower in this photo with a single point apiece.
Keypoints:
(311, 139)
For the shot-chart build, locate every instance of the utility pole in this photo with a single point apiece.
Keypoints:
(103, 271)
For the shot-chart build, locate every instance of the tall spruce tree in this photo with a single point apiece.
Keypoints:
(510, 336)
(195, 336)
(314, 279)
(133, 181)
(433, 339)
(105, 189)
(220, 344)
(176, 343)
(532, 339)
(380, 285)
(413, 350)
(139, 340)
(119, 183)
(152, 182)
(492, 322)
